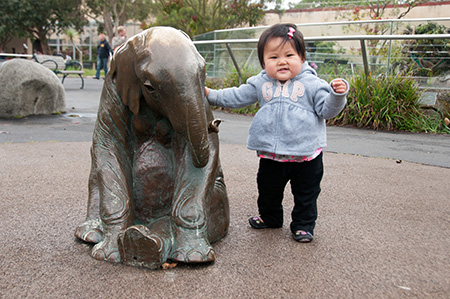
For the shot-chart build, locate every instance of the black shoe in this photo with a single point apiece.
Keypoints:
(96, 78)
(257, 223)
(302, 236)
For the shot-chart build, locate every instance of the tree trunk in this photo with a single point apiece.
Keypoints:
(42, 36)
(108, 24)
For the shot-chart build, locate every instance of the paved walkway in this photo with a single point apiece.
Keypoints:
(383, 228)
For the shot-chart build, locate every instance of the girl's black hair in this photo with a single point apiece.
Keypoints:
(281, 30)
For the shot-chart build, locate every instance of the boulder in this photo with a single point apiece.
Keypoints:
(28, 88)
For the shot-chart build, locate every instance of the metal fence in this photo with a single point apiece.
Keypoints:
(234, 50)
(345, 59)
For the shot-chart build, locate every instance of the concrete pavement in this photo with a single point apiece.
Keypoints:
(383, 228)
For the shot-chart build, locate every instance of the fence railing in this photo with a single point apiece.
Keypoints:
(348, 36)
(362, 39)
(248, 46)
(391, 22)
(337, 28)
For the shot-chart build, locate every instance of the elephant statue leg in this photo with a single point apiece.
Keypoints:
(193, 243)
(116, 215)
(116, 210)
(191, 211)
(91, 230)
(111, 177)
(219, 210)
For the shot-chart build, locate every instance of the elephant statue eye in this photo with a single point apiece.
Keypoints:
(149, 87)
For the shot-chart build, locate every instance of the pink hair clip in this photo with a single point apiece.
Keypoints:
(291, 32)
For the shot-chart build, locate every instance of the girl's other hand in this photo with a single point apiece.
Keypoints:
(206, 91)
(339, 86)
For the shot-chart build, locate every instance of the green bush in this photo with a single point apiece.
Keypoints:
(232, 80)
(335, 68)
(387, 103)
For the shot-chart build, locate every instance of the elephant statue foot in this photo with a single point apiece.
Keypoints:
(192, 246)
(108, 248)
(90, 231)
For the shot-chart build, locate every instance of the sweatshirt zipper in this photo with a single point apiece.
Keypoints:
(277, 131)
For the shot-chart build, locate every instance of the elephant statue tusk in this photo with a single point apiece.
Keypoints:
(214, 125)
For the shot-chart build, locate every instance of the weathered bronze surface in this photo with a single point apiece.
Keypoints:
(156, 188)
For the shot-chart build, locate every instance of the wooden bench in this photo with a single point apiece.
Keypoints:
(59, 66)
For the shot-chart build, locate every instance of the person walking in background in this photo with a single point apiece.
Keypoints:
(288, 132)
(119, 39)
(103, 52)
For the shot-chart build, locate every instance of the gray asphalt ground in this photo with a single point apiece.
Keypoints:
(383, 228)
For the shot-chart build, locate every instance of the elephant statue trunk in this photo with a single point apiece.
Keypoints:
(191, 123)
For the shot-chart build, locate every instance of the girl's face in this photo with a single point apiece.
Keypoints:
(281, 61)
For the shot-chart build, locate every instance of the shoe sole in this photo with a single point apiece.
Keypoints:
(303, 238)
(255, 225)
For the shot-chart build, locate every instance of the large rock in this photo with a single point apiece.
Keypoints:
(28, 88)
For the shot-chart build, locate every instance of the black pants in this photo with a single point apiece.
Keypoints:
(305, 181)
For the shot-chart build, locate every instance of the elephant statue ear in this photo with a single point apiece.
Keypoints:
(123, 73)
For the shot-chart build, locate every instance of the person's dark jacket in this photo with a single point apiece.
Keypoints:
(103, 49)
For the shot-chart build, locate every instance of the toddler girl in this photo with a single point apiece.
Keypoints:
(288, 132)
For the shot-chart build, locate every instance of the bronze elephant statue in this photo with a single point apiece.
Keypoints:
(156, 187)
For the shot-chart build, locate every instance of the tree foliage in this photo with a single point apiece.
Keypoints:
(9, 28)
(200, 16)
(115, 13)
(38, 19)
(376, 10)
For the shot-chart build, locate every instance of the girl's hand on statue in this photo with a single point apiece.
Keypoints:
(206, 91)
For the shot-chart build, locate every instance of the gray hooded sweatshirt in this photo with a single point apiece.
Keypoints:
(291, 120)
